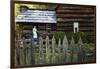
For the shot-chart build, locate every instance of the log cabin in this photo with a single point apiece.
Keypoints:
(66, 18)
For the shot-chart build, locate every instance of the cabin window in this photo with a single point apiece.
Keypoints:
(76, 27)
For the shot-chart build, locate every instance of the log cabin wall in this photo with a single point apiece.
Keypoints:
(68, 14)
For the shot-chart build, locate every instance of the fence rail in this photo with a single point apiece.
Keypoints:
(27, 53)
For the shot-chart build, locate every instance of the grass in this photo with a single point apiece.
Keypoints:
(89, 46)
(58, 59)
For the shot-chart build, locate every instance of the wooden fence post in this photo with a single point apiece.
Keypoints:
(65, 49)
(47, 49)
(59, 47)
(16, 53)
(33, 52)
(79, 50)
(53, 49)
(41, 58)
(72, 44)
(21, 53)
(27, 44)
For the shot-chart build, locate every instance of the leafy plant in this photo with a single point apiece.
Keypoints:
(89, 37)
(79, 35)
(59, 35)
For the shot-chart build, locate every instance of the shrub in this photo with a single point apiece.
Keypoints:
(58, 35)
(89, 37)
(79, 35)
(86, 37)
(69, 36)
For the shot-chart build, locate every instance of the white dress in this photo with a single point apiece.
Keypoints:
(34, 33)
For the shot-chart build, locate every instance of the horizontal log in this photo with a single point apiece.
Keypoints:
(76, 21)
(68, 28)
(89, 17)
(75, 15)
(80, 25)
(84, 28)
(89, 30)
(75, 7)
(62, 20)
(74, 11)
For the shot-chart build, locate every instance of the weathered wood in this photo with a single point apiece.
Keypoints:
(29, 54)
(78, 19)
(69, 14)
(53, 50)
(59, 49)
(33, 52)
(21, 56)
(47, 49)
(79, 50)
(75, 11)
(15, 58)
(41, 56)
(72, 44)
(75, 15)
(16, 53)
(27, 50)
(65, 49)
(20, 53)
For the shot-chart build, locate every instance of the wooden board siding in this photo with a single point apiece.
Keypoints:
(68, 14)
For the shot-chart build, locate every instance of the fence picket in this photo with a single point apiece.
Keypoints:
(48, 53)
(47, 49)
(33, 52)
(72, 44)
(21, 53)
(21, 56)
(16, 53)
(41, 58)
(79, 50)
(27, 50)
(65, 49)
(59, 47)
(53, 50)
